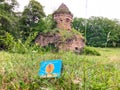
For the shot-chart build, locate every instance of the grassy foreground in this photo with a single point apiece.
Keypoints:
(80, 72)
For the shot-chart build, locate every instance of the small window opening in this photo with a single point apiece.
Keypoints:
(67, 20)
(76, 48)
(61, 20)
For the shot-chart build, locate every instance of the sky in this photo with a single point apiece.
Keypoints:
(81, 8)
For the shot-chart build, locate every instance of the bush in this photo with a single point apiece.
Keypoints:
(26, 46)
(90, 51)
(7, 41)
(18, 46)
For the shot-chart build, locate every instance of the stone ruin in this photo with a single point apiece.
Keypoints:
(63, 17)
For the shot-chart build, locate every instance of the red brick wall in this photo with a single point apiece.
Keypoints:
(63, 21)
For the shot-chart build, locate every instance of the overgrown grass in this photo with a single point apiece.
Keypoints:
(80, 72)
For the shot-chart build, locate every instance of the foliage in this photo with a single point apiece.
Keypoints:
(50, 22)
(8, 21)
(79, 25)
(99, 31)
(17, 46)
(8, 41)
(8, 5)
(90, 51)
(80, 72)
(32, 19)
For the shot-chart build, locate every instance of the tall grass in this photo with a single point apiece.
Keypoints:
(80, 72)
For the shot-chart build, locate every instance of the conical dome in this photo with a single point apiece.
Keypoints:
(62, 9)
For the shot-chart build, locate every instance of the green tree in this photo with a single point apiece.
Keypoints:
(96, 35)
(50, 22)
(99, 31)
(114, 34)
(8, 20)
(79, 24)
(32, 18)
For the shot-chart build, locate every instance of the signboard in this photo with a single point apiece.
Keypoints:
(50, 68)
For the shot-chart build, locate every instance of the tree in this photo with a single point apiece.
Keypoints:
(32, 18)
(7, 20)
(114, 34)
(50, 23)
(79, 24)
(100, 31)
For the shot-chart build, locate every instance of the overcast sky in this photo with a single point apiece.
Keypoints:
(105, 8)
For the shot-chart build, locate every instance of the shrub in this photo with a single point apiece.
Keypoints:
(7, 42)
(18, 46)
(26, 46)
(90, 51)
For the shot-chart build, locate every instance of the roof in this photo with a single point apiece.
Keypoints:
(62, 9)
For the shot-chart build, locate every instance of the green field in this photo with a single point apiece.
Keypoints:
(80, 72)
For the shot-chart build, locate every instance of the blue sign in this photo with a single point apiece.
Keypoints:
(50, 68)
